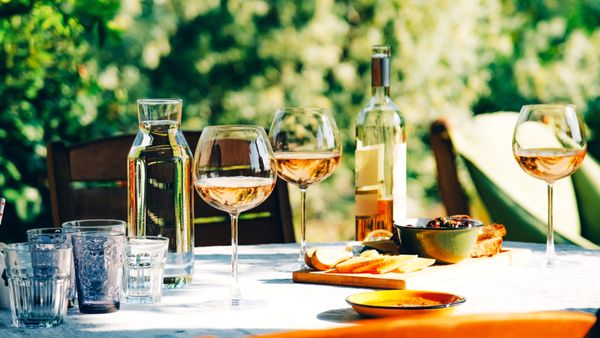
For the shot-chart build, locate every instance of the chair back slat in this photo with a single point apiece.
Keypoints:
(254, 231)
(93, 202)
(453, 197)
(101, 160)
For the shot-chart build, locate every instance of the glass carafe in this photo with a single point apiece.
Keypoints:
(160, 190)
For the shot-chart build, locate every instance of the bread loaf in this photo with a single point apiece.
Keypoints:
(489, 240)
(491, 230)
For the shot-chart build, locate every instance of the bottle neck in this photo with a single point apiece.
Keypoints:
(159, 111)
(380, 77)
(380, 93)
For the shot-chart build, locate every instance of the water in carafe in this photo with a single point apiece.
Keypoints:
(160, 190)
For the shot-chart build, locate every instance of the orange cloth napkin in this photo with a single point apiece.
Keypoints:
(557, 324)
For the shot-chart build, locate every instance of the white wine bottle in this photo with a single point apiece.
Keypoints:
(380, 158)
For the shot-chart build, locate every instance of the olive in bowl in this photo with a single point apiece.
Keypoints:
(448, 240)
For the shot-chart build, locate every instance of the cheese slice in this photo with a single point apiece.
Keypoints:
(415, 264)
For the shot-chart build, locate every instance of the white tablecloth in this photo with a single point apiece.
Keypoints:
(300, 306)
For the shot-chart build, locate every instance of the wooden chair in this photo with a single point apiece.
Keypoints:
(451, 191)
(503, 193)
(89, 180)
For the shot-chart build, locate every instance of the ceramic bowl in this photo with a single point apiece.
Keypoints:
(405, 303)
(446, 245)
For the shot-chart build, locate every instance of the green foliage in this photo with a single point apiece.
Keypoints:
(73, 70)
(45, 93)
(555, 58)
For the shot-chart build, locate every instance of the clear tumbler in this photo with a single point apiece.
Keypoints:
(38, 277)
(143, 269)
(99, 268)
(55, 236)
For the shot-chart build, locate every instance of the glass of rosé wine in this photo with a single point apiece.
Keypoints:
(307, 147)
(549, 144)
(234, 171)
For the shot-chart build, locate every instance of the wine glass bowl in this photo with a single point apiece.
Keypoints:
(234, 171)
(307, 147)
(550, 165)
(304, 169)
(549, 144)
(304, 129)
(234, 194)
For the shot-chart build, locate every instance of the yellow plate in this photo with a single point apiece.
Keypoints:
(405, 303)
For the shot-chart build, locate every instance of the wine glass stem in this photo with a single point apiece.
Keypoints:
(302, 226)
(550, 253)
(235, 285)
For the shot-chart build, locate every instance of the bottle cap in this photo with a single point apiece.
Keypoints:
(380, 66)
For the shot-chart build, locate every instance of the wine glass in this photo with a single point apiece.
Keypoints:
(307, 148)
(234, 170)
(549, 144)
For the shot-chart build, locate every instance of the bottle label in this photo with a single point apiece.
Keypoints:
(399, 189)
(369, 165)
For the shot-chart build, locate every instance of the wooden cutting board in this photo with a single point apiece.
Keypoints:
(414, 280)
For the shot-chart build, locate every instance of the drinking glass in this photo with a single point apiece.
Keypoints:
(145, 258)
(234, 170)
(549, 144)
(55, 236)
(98, 256)
(108, 224)
(38, 277)
(307, 147)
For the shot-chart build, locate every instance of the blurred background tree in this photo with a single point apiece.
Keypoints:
(46, 92)
(73, 70)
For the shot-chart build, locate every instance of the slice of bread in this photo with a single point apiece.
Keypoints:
(326, 258)
(355, 262)
(308, 257)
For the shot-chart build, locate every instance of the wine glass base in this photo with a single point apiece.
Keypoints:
(551, 263)
(291, 267)
(233, 304)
